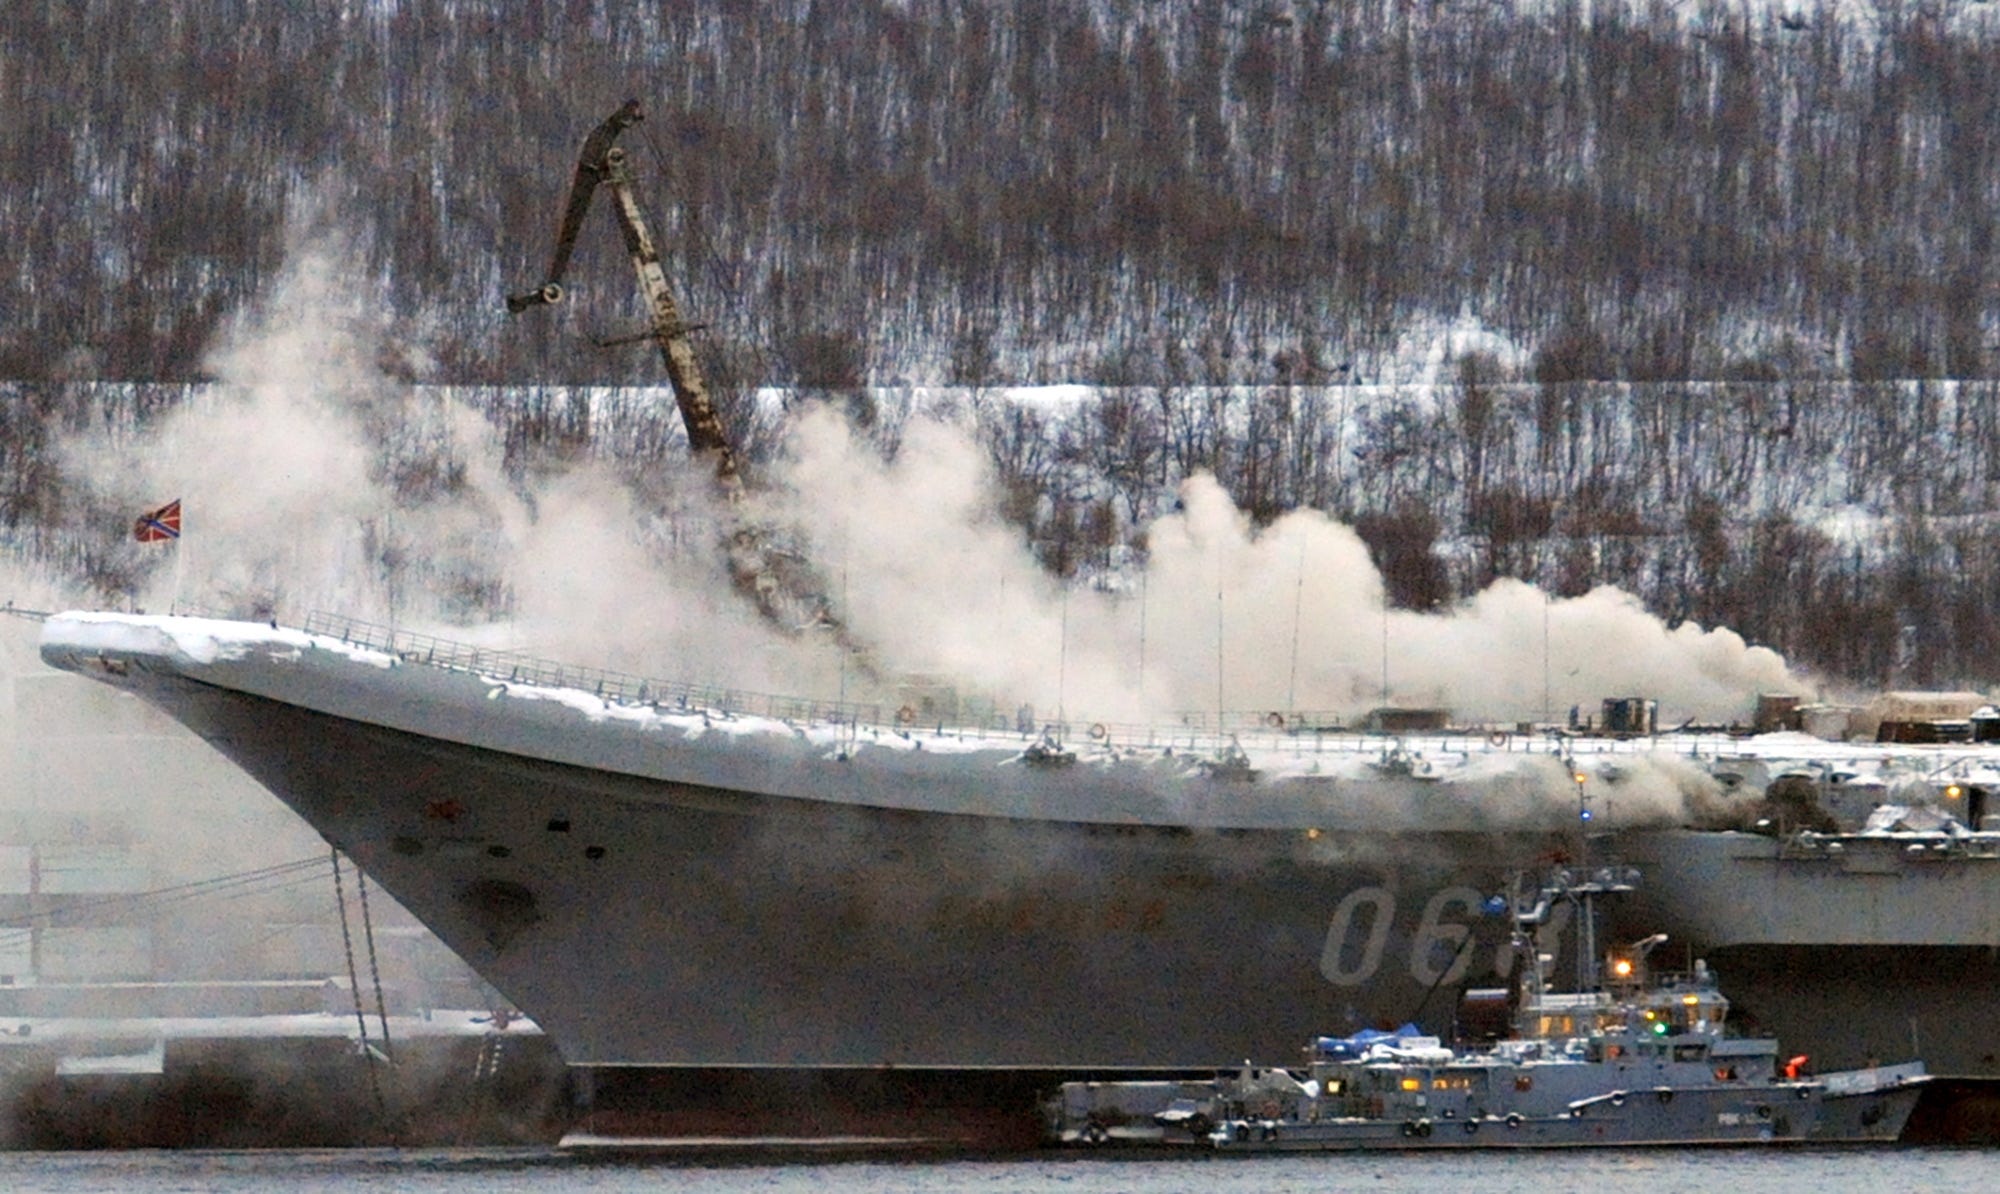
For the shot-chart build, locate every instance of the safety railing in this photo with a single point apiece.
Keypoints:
(1302, 733)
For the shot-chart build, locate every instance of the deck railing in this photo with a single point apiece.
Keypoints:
(621, 687)
(1202, 733)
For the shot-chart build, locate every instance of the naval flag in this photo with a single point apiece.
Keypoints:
(159, 526)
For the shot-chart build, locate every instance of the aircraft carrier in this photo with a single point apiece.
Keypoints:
(682, 881)
(665, 877)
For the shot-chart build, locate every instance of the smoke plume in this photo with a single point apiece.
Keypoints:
(312, 479)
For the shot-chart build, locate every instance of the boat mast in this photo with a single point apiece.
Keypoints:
(1529, 920)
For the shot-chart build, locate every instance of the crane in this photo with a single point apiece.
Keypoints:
(783, 585)
(602, 161)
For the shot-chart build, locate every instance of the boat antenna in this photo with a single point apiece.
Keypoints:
(1062, 662)
(1298, 603)
(1219, 706)
(843, 604)
(1385, 644)
(1145, 574)
(1548, 707)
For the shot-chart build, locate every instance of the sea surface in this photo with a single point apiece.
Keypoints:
(1900, 1171)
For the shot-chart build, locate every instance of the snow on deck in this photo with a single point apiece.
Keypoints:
(846, 729)
(199, 640)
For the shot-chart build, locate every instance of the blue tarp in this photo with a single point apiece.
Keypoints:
(1356, 1045)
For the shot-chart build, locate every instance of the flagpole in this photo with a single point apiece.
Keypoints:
(164, 526)
(179, 546)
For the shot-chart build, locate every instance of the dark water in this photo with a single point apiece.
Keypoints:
(1900, 1171)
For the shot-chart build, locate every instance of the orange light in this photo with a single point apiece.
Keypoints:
(1953, 792)
(1690, 1000)
(1412, 1084)
(1622, 968)
(1580, 777)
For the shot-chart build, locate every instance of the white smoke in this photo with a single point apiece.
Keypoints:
(295, 473)
(1224, 617)
(282, 502)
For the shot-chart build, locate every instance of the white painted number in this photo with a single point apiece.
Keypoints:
(1358, 935)
(1382, 913)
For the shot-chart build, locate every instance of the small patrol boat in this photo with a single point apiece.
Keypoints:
(1632, 1057)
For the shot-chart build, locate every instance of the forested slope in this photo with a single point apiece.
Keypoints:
(1578, 292)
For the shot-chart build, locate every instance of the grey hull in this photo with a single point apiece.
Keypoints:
(1693, 1118)
(732, 929)
(1876, 1117)
(685, 893)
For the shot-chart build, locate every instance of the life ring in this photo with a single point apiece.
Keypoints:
(1243, 1131)
(1471, 1126)
(1275, 720)
(1424, 1129)
(1805, 1092)
(1409, 1128)
(1666, 1095)
(1268, 1132)
(1497, 738)
(1514, 1119)
(1098, 730)
(1617, 1098)
(906, 715)
(1095, 1134)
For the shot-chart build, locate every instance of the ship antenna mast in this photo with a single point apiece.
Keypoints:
(1298, 605)
(1586, 955)
(1220, 729)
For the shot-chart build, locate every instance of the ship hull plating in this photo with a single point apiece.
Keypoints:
(644, 923)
